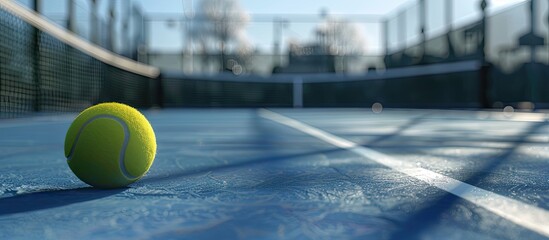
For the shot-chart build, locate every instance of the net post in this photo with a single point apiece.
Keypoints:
(386, 36)
(484, 96)
(158, 91)
(36, 4)
(298, 92)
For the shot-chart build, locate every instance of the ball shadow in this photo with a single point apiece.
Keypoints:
(52, 199)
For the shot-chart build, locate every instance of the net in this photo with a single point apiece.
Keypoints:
(45, 68)
(455, 84)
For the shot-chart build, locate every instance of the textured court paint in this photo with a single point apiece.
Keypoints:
(530, 217)
(228, 173)
(122, 155)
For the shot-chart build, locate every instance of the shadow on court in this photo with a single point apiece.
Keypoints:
(51, 199)
(266, 160)
(266, 136)
(416, 224)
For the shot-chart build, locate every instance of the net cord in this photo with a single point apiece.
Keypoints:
(75, 41)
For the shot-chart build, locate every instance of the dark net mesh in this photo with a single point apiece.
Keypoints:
(187, 91)
(39, 72)
(437, 85)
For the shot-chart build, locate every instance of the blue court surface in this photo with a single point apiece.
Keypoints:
(291, 174)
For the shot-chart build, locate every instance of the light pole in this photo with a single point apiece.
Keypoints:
(188, 31)
(533, 27)
(402, 28)
(71, 8)
(126, 28)
(278, 25)
(112, 22)
(94, 32)
(449, 27)
(423, 25)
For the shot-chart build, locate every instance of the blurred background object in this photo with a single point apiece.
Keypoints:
(211, 52)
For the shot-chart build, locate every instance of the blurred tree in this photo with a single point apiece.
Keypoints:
(219, 26)
(340, 37)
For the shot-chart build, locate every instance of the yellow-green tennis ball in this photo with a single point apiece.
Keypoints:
(110, 145)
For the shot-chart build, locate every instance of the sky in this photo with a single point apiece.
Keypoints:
(293, 6)
(312, 6)
(260, 34)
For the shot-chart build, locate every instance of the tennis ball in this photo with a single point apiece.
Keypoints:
(110, 145)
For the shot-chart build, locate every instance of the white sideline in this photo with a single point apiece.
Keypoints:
(530, 217)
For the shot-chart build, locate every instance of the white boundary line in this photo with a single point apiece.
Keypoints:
(71, 39)
(530, 217)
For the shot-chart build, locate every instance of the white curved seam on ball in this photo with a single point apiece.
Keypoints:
(124, 145)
